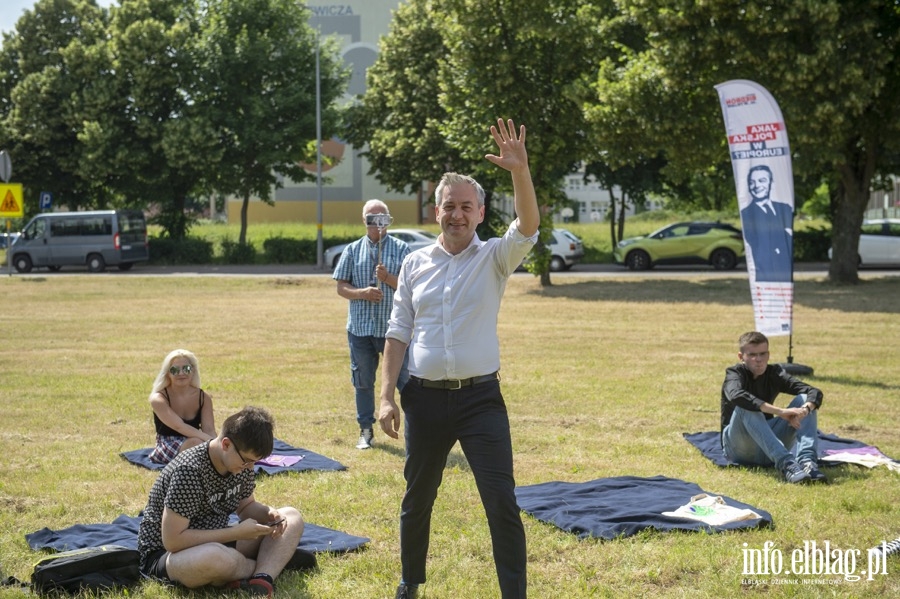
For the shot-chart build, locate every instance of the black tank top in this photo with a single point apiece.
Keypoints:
(163, 429)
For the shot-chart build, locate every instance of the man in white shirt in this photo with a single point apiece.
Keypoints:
(445, 310)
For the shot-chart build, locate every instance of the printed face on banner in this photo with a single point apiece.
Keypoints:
(759, 182)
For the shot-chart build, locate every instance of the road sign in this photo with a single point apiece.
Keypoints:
(5, 166)
(11, 201)
(46, 200)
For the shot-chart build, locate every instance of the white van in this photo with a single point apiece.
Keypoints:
(95, 239)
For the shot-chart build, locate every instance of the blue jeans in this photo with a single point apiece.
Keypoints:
(753, 440)
(364, 352)
(435, 419)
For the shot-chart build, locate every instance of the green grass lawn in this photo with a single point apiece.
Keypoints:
(601, 376)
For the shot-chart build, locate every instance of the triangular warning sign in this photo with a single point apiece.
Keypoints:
(9, 203)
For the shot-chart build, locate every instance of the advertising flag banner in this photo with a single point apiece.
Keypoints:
(761, 161)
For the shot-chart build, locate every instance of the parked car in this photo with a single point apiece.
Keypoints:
(718, 244)
(566, 250)
(96, 239)
(7, 239)
(879, 243)
(414, 238)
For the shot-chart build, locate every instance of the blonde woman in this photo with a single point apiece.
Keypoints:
(182, 411)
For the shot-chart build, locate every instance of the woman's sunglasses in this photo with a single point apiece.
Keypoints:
(186, 369)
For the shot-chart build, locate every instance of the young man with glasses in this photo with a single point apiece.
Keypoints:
(185, 536)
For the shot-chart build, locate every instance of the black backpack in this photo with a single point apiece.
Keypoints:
(90, 569)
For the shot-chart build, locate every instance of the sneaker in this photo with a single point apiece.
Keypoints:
(812, 469)
(302, 560)
(886, 549)
(405, 591)
(793, 472)
(365, 439)
(253, 586)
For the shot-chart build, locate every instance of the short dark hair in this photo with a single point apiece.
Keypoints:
(759, 167)
(752, 338)
(251, 430)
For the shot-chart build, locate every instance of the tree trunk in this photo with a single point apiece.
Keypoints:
(613, 235)
(179, 222)
(853, 195)
(242, 239)
(545, 279)
(622, 205)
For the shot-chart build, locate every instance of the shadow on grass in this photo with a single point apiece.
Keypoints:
(879, 295)
(455, 460)
(853, 382)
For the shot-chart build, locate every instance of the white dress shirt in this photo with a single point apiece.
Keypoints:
(446, 306)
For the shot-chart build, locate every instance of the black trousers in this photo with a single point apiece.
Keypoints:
(435, 419)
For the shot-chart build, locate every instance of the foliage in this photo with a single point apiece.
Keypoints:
(818, 204)
(832, 65)
(235, 252)
(434, 92)
(282, 250)
(146, 127)
(44, 65)
(400, 118)
(258, 91)
(187, 250)
(163, 102)
(811, 245)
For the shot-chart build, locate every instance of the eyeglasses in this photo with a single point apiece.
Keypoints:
(186, 369)
(245, 461)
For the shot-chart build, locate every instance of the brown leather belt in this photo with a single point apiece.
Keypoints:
(453, 384)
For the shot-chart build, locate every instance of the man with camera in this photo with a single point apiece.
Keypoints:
(366, 275)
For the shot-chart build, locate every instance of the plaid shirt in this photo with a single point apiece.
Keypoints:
(357, 265)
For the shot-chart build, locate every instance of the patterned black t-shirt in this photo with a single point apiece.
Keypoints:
(191, 487)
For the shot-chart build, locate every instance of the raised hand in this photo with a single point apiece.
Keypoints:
(513, 156)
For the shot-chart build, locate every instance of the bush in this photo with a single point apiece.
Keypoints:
(811, 245)
(190, 250)
(284, 250)
(234, 252)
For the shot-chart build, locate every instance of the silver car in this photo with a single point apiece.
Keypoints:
(414, 238)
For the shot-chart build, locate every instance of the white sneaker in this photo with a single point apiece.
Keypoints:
(365, 439)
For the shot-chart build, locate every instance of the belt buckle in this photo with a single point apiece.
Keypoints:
(458, 384)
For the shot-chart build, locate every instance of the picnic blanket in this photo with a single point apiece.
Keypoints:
(609, 508)
(711, 447)
(123, 531)
(284, 458)
(863, 456)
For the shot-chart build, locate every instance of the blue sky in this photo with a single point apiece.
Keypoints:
(11, 10)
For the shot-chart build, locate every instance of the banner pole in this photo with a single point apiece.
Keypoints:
(8, 252)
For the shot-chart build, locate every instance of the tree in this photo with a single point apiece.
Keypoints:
(259, 94)
(144, 126)
(450, 68)
(519, 59)
(400, 116)
(832, 65)
(635, 183)
(41, 100)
